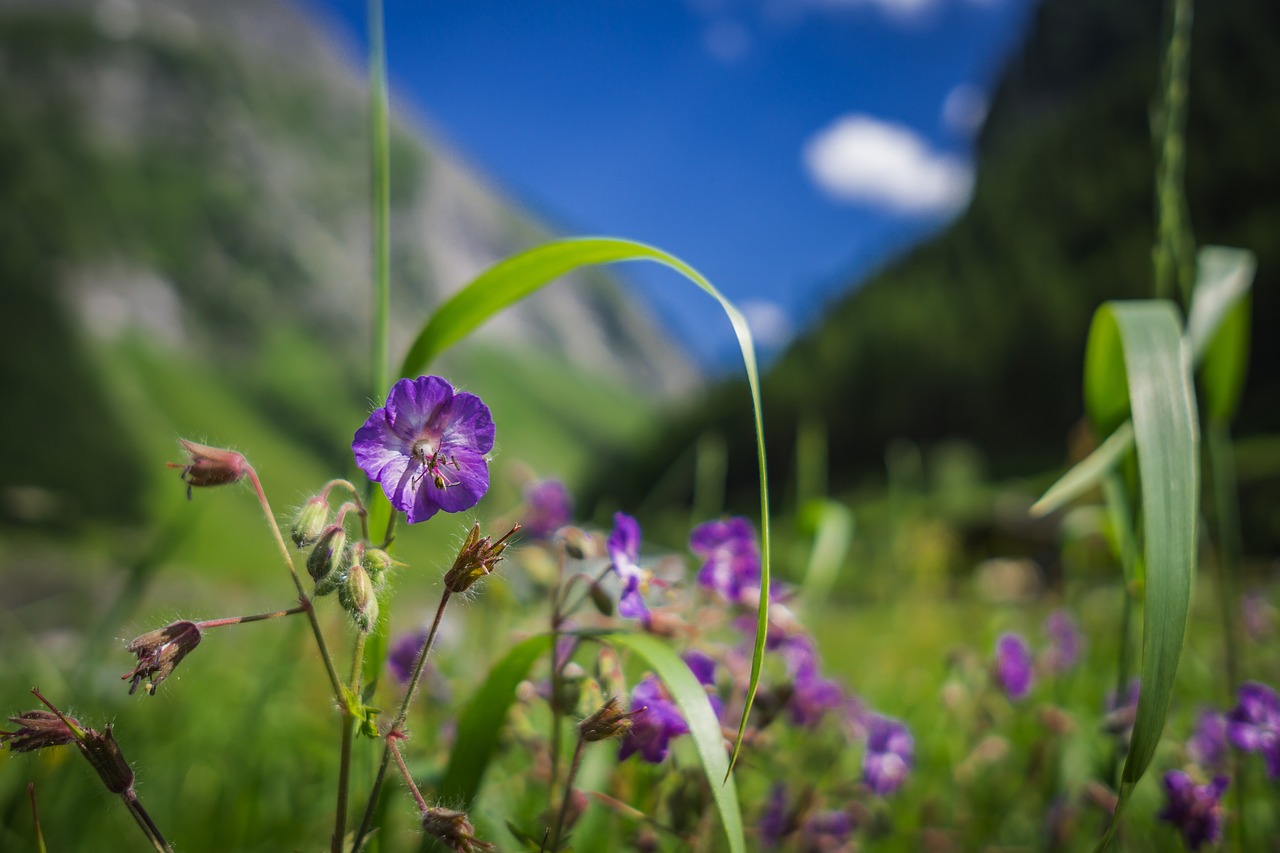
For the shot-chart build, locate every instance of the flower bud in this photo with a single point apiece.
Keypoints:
(358, 598)
(601, 599)
(453, 830)
(578, 544)
(327, 555)
(159, 653)
(38, 729)
(210, 466)
(608, 722)
(310, 522)
(476, 559)
(376, 562)
(103, 753)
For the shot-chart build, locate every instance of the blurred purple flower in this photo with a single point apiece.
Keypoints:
(1121, 714)
(548, 507)
(730, 557)
(1064, 641)
(404, 654)
(624, 551)
(1207, 746)
(703, 667)
(1254, 724)
(427, 448)
(652, 731)
(1013, 666)
(1194, 809)
(811, 694)
(827, 830)
(888, 758)
(775, 821)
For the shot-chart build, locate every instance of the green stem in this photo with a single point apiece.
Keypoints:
(243, 620)
(145, 822)
(1174, 246)
(344, 760)
(568, 792)
(366, 823)
(334, 681)
(35, 817)
(408, 779)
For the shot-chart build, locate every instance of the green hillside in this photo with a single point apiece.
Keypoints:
(978, 333)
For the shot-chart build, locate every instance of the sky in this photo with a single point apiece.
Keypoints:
(784, 148)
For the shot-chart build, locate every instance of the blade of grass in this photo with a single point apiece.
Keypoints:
(833, 534)
(509, 281)
(1139, 360)
(691, 698)
(1088, 472)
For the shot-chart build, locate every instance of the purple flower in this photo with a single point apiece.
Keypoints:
(730, 555)
(703, 667)
(404, 654)
(888, 758)
(828, 830)
(624, 550)
(1121, 714)
(1013, 666)
(1254, 724)
(1207, 746)
(548, 507)
(1194, 809)
(427, 447)
(775, 823)
(1064, 641)
(652, 731)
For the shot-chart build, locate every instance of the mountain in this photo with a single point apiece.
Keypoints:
(978, 333)
(186, 182)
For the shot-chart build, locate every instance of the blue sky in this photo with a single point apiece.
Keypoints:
(785, 148)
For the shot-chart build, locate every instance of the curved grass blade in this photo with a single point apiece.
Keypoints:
(1138, 359)
(1086, 473)
(481, 722)
(509, 281)
(832, 536)
(1218, 326)
(691, 698)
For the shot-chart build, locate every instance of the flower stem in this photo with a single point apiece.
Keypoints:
(366, 823)
(334, 681)
(404, 771)
(35, 817)
(568, 791)
(257, 617)
(144, 820)
(344, 761)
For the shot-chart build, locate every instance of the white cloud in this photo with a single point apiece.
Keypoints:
(769, 323)
(902, 11)
(859, 158)
(727, 40)
(964, 110)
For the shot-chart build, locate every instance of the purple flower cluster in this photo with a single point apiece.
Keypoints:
(1194, 809)
(427, 447)
(624, 550)
(1013, 666)
(548, 507)
(811, 694)
(1254, 724)
(730, 558)
(887, 762)
(1207, 746)
(657, 721)
(1064, 641)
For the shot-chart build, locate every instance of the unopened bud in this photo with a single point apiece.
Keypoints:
(453, 830)
(476, 559)
(104, 754)
(210, 466)
(601, 599)
(159, 653)
(310, 522)
(326, 556)
(578, 544)
(37, 730)
(609, 722)
(357, 597)
(376, 562)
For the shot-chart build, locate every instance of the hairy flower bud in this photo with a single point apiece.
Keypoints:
(358, 598)
(376, 562)
(310, 522)
(210, 466)
(38, 729)
(326, 556)
(102, 751)
(159, 653)
(609, 722)
(476, 559)
(453, 830)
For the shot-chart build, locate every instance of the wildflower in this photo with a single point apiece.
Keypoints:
(40, 729)
(1064, 641)
(652, 731)
(1207, 746)
(1013, 666)
(731, 557)
(427, 447)
(1194, 809)
(827, 830)
(159, 653)
(776, 822)
(703, 667)
(624, 549)
(548, 507)
(811, 695)
(608, 722)
(404, 654)
(888, 758)
(1254, 724)
(210, 466)
(453, 830)
(37, 730)
(477, 558)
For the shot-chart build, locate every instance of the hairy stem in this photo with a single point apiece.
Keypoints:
(568, 791)
(257, 617)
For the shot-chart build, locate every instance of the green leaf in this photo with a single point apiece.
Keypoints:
(1137, 358)
(691, 698)
(833, 534)
(480, 723)
(1218, 326)
(509, 281)
(1088, 472)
